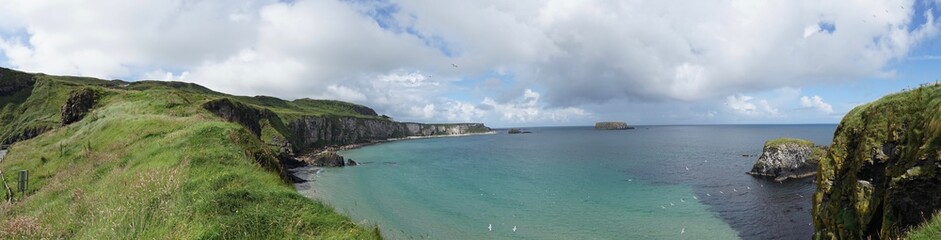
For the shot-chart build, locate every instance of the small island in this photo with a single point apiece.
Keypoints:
(612, 126)
(785, 158)
(517, 131)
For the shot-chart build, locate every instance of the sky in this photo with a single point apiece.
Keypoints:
(504, 63)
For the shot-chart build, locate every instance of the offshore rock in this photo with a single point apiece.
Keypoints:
(785, 158)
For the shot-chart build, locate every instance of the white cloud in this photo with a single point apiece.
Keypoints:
(576, 53)
(816, 102)
(744, 105)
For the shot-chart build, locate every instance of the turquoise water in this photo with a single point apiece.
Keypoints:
(573, 183)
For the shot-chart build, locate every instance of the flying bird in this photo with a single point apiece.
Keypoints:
(454, 65)
(514, 228)
(682, 231)
(490, 227)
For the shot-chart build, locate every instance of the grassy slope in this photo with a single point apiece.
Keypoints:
(149, 162)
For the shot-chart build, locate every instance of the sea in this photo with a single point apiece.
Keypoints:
(651, 182)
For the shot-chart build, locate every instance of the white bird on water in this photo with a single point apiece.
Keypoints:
(749, 188)
(671, 204)
(734, 190)
(490, 227)
(682, 231)
(514, 228)
(708, 195)
(687, 168)
(720, 192)
(681, 200)
(661, 206)
(694, 197)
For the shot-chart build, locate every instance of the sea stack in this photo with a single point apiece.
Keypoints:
(785, 158)
(612, 126)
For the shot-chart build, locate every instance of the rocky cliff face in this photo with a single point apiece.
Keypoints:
(787, 158)
(317, 131)
(882, 174)
(79, 103)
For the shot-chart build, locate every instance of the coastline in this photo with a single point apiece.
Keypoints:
(374, 142)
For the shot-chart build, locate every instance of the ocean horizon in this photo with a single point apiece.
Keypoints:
(652, 182)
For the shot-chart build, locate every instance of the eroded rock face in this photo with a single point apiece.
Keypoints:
(783, 160)
(79, 103)
(315, 132)
(237, 112)
(882, 174)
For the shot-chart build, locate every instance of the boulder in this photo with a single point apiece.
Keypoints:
(350, 162)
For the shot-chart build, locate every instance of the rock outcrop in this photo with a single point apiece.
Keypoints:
(325, 159)
(79, 103)
(882, 174)
(612, 126)
(785, 158)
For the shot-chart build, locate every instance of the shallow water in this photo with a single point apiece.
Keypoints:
(574, 183)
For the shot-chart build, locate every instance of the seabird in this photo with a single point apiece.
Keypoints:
(802, 196)
(661, 206)
(455, 65)
(490, 227)
(694, 197)
(682, 231)
(514, 228)
(671, 204)
(734, 190)
(708, 195)
(747, 187)
(681, 200)
(721, 192)
(687, 168)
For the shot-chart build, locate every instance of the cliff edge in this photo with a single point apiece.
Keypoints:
(882, 174)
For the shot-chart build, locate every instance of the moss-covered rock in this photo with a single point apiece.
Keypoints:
(881, 174)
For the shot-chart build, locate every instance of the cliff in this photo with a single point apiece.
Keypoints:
(785, 158)
(882, 174)
(612, 126)
(306, 133)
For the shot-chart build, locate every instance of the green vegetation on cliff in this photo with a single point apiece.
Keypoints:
(882, 174)
(783, 141)
(148, 162)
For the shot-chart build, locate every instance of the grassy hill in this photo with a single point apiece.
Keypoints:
(148, 161)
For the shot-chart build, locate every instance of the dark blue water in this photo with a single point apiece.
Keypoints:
(656, 182)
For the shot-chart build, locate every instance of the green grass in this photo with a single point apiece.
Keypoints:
(927, 231)
(150, 163)
(781, 141)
